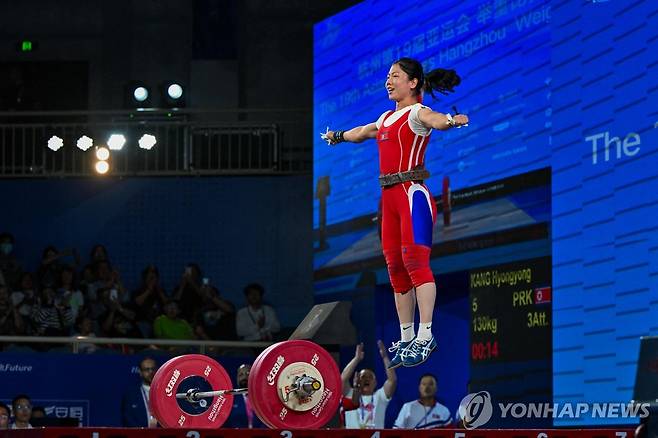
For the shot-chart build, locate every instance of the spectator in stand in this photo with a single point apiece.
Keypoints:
(97, 274)
(256, 321)
(52, 317)
(149, 300)
(68, 292)
(25, 299)
(98, 254)
(215, 320)
(107, 279)
(9, 266)
(88, 278)
(85, 327)
(4, 416)
(11, 322)
(22, 408)
(118, 321)
(102, 279)
(188, 293)
(170, 326)
(135, 408)
(51, 266)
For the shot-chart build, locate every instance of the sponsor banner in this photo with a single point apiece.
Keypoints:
(89, 388)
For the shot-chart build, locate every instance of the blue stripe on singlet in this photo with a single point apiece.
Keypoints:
(421, 219)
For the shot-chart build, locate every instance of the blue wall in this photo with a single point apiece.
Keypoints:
(239, 229)
(605, 77)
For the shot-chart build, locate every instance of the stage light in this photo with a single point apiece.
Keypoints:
(136, 94)
(84, 143)
(172, 94)
(102, 167)
(141, 94)
(147, 141)
(102, 153)
(116, 142)
(55, 143)
(175, 91)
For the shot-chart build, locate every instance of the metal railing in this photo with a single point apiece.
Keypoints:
(189, 142)
(76, 341)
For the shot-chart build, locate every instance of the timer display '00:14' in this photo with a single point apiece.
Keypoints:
(484, 350)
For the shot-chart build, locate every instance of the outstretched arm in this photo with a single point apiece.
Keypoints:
(391, 378)
(442, 122)
(354, 135)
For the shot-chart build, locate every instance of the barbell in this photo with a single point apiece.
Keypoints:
(292, 384)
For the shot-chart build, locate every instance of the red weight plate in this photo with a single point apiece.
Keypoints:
(272, 366)
(255, 367)
(445, 200)
(186, 372)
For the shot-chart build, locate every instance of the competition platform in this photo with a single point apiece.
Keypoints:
(90, 432)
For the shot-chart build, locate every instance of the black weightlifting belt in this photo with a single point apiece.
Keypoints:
(392, 179)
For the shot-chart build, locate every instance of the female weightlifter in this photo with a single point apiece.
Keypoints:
(408, 210)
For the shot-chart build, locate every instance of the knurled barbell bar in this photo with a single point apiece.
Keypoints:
(292, 384)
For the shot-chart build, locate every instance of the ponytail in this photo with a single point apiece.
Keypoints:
(443, 81)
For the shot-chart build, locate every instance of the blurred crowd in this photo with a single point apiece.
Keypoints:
(68, 296)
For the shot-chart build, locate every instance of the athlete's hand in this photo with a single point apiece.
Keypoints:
(328, 136)
(460, 120)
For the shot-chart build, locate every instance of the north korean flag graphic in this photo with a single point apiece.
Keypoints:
(543, 295)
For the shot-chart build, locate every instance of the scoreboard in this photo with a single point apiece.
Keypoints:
(511, 331)
(511, 311)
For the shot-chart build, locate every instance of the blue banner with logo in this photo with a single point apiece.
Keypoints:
(85, 387)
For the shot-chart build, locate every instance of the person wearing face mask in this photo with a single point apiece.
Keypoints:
(10, 269)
